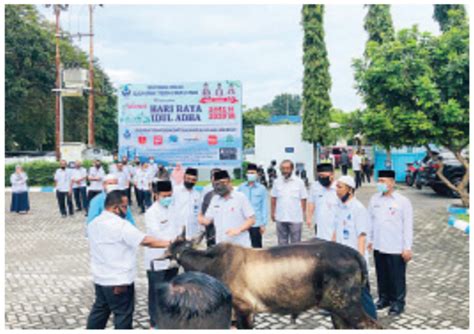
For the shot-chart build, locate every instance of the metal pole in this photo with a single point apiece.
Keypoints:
(61, 111)
(91, 139)
(57, 11)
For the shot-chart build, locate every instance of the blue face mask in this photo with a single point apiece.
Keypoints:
(166, 201)
(252, 177)
(382, 188)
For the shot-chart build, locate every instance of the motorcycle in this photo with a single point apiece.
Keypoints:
(411, 172)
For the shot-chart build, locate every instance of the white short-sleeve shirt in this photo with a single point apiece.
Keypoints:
(96, 185)
(351, 220)
(230, 213)
(188, 204)
(356, 161)
(288, 194)
(18, 182)
(113, 245)
(77, 174)
(163, 224)
(326, 202)
(391, 220)
(143, 179)
(63, 180)
(123, 178)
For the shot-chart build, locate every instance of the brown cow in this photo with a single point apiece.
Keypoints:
(285, 279)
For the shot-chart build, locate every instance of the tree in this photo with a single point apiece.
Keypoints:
(445, 22)
(285, 104)
(419, 85)
(316, 80)
(29, 78)
(378, 23)
(251, 118)
(379, 127)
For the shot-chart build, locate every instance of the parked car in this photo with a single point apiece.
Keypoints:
(453, 170)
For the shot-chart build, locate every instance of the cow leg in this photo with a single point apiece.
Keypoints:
(339, 323)
(244, 319)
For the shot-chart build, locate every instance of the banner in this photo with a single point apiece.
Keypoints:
(196, 124)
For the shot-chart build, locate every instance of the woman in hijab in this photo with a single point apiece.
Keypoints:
(177, 176)
(20, 202)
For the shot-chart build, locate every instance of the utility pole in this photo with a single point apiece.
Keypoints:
(91, 137)
(57, 11)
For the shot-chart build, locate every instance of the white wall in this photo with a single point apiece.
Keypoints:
(271, 141)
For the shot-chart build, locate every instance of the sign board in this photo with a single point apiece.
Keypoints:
(197, 124)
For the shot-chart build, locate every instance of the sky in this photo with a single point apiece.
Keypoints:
(260, 45)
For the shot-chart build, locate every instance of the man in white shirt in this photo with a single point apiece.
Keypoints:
(357, 168)
(143, 179)
(391, 238)
(96, 178)
(323, 202)
(63, 186)
(79, 186)
(351, 226)
(230, 211)
(123, 177)
(288, 204)
(113, 253)
(163, 221)
(128, 168)
(188, 203)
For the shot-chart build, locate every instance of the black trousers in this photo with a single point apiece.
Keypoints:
(120, 303)
(255, 237)
(391, 277)
(358, 179)
(367, 173)
(144, 199)
(344, 169)
(80, 197)
(129, 194)
(91, 194)
(62, 197)
(137, 195)
(154, 279)
(210, 235)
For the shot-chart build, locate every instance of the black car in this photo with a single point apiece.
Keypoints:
(453, 170)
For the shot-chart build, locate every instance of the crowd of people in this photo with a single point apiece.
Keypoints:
(225, 213)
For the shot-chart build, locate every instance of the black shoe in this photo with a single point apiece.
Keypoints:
(395, 309)
(381, 304)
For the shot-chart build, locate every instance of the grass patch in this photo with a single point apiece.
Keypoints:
(464, 217)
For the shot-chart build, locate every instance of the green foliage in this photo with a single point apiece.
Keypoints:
(316, 80)
(442, 15)
(41, 173)
(285, 104)
(30, 76)
(250, 119)
(378, 23)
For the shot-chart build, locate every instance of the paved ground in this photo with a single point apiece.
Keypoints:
(48, 284)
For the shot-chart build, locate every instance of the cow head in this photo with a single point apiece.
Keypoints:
(180, 244)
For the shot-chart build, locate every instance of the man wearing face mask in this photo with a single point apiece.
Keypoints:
(188, 203)
(257, 195)
(351, 226)
(207, 194)
(323, 202)
(288, 206)
(163, 222)
(391, 216)
(96, 177)
(113, 254)
(231, 213)
(98, 202)
(63, 186)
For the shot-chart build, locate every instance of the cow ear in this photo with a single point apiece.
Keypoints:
(182, 236)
